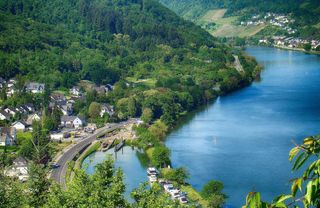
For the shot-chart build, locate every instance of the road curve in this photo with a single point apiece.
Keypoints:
(59, 174)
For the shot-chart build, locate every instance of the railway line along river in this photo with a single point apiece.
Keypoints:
(243, 139)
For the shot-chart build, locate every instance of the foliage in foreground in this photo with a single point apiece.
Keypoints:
(308, 184)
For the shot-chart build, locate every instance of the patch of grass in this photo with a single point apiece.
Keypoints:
(166, 171)
(149, 152)
(213, 15)
(194, 196)
(10, 149)
(23, 135)
(231, 30)
(148, 82)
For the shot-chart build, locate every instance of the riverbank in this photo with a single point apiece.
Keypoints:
(151, 137)
(297, 49)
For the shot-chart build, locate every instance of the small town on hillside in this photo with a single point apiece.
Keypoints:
(18, 120)
(73, 129)
(285, 22)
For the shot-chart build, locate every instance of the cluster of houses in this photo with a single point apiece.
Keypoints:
(279, 20)
(10, 86)
(22, 117)
(8, 134)
(290, 42)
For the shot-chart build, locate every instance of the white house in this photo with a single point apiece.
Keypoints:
(75, 91)
(35, 87)
(66, 109)
(10, 111)
(71, 121)
(4, 115)
(33, 117)
(105, 108)
(19, 125)
(7, 136)
(19, 169)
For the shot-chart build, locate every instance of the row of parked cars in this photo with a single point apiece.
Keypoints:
(175, 193)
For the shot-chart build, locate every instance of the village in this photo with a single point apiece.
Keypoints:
(19, 119)
(284, 22)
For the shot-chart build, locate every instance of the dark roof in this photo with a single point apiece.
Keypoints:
(2, 80)
(5, 113)
(20, 162)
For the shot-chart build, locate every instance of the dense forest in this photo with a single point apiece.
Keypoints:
(137, 45)
(305, 12)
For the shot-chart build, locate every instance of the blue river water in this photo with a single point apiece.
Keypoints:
(243, 139)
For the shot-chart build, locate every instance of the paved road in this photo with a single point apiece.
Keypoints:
(59, 174)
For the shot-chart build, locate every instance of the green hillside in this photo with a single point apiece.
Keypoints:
(305, 12)
(140, 43)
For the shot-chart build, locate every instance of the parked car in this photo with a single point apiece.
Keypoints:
(55, 166)
(183, 200)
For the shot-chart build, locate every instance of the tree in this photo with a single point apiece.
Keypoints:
(94, 110)
(161, 156)
(133, 107)
(147, 115)
(216, 201)
(104, 188)
(308, 183)
(11, 192)
(38, 145)
(307, 47)
(38, 185)
(158, 129)
(179, 175)
(210, 188)
(212, 192)
(153, 197)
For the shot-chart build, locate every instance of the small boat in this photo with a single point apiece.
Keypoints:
(152, 171)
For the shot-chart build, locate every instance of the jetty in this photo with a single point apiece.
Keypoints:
(107, 145)
(119, 146)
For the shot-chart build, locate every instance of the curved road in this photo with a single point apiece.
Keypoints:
(59, 174)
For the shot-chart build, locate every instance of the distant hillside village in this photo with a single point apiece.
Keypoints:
(288, 38)
(61, 105)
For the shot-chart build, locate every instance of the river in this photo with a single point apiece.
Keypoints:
(243, 139)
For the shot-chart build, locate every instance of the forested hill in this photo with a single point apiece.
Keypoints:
(147, 52)
(100, 19)
(306, 11)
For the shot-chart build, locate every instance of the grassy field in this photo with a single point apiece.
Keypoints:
(213, 15)
(194, 196)
(148, 82)
(229, 30)
(149, 152)
(226, 26)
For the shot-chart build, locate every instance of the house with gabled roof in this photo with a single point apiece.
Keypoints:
(106, 109)
(33, 117)
(19, 169)
(11, 111)
(7, 136)
(4, 115)
(19, 125)
(75, 91)
(72, 121)
(35, 87)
